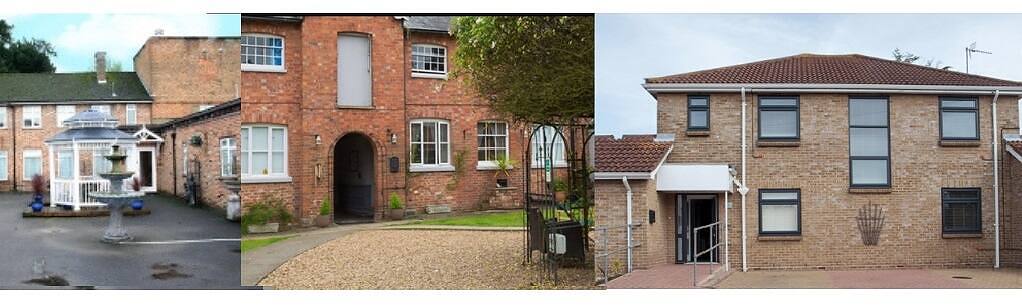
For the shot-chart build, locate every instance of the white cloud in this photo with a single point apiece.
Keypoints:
(121, 36)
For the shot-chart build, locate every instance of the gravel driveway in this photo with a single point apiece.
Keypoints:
(420, 259)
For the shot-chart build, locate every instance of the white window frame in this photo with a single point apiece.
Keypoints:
(37, 120)
(63, 114)
(247, 175)
(130, 114)
(559, 159)
(25, 155)
(227, 148)
(3, 117)
(3, 156)
(102, 108)
(265, 67)
(429, 73)
(492, 164)
(61, 155)
(443, 164)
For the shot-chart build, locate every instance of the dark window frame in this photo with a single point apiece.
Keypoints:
(945, 201)
(940, 114)
(851, 180)
(705, 108)
(798, 117)
(798, 208)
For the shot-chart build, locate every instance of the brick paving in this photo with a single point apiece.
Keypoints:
(885, 279)
(666, 276)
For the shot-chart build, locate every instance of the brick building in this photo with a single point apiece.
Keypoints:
(175, 77)
(357, 108)
(824, 136)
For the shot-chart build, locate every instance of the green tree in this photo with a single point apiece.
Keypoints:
(24, 55)
(534, 69)
(908, 57)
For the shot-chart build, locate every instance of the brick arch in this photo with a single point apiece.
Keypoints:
(378, 163)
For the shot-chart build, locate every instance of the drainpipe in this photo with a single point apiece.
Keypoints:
(628, 226)
(745, 256)
(727, 264)
(997, 183)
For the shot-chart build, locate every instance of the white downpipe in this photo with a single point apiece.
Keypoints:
(997, 183)
(727, 265)
(628, 226)
(745, 256)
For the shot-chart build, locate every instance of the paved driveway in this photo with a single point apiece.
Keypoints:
(664, 276)
(883, 279)
(71, 249)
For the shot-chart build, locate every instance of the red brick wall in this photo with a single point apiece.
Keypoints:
(182, 73)
(170, 165)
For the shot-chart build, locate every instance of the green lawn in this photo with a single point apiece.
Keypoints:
(501, 219)
(250, 244)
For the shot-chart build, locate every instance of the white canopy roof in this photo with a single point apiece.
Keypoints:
(693, 178)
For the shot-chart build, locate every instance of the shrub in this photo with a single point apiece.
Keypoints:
(266, 211)
(560, 185)
(324, 207)
(38, 184)
(395, 201)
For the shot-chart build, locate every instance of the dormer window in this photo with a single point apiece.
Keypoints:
(429, 61)
(262, 52)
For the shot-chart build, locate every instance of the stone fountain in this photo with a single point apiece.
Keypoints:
(116, 199)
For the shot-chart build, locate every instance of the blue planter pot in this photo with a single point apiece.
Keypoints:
(136, 204)
(37, 206)
(38, 198)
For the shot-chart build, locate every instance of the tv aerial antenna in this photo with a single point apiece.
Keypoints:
(968, 54)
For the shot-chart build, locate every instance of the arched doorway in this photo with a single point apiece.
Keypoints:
(354, 179)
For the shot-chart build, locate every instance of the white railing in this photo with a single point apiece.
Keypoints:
(76, 194)
(713, 231)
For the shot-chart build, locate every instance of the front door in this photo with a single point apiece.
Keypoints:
(694, 211)
(147, 169)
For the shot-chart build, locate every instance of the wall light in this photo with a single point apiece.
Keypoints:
(318, 140)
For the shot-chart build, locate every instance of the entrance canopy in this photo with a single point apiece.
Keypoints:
(693, 178)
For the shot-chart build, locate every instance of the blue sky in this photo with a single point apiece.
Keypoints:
(76, 37)
(630, 47)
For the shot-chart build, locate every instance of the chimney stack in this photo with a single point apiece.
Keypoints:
(101, 67)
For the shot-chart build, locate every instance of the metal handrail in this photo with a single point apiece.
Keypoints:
(607, 251)
(696, 253)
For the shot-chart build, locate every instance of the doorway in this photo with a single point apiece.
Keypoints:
(147, 169)
(694, 211)
(354, 179)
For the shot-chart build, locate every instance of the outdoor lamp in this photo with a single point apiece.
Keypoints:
(318, 140)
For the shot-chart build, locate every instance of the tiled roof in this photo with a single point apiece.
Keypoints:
(832, 69)
(71, 87)
(631, 153)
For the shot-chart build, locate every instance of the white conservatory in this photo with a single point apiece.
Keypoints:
(76, 158)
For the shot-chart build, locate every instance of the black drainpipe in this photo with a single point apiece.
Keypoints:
(14, 152)
(173, 156)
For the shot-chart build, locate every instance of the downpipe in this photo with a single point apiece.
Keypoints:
(628, 225)
(745, 257)
(997, 182)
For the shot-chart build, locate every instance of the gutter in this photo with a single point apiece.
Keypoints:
(997, 183)
(654, 88)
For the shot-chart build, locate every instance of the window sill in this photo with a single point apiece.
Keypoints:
(961, 235)
(256, 68)
(770, 143)
(862, 190)
(697, 133)
(960, 143)
(431, 168)
(779, 237)
(31, 128)
(265, 179)
(556, 165)
(488, 166)
(429, 75)
(340, 106)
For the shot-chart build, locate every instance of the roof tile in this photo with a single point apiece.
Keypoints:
(631, 153)
(832, 69)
